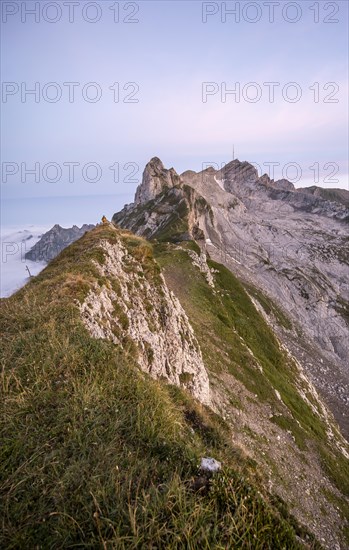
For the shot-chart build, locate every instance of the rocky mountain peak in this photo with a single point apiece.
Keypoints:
(156, 178)
(289, 243)
(237, 171)
(284, 184)
(265, 179)
(188, 174)
(54, 241)
(237, 174)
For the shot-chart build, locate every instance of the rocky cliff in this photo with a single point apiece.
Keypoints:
(290, 245)
(136, 308)
(155, 179)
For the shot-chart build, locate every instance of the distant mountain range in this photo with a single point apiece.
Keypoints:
(54, 241)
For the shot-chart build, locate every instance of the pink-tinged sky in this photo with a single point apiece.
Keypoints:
(161, 54)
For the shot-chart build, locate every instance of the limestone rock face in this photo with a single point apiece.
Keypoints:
(334, 195)
(284, 184)
(176, 214)
(141, 311)
(291, 244)
(156, 178)
(236, 173)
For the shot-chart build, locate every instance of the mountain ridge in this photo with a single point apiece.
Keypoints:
(265, 236)
(90, 406)
(165, 339)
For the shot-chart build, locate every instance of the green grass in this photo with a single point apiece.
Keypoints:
(228, 314)
(221, 318)
(176, 225)
(269, 307)
(289, 424)
(95, 454)
(337, 469)
(343, 506)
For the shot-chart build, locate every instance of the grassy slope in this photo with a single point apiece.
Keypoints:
(223, 317)
(96, 454)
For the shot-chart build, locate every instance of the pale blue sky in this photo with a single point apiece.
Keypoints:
(169, 53)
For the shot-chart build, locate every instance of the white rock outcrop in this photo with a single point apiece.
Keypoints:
(201, 263)
(140, 309)
(210, 465)
(155, 179)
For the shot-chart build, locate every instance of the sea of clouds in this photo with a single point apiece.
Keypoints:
(15, 242)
